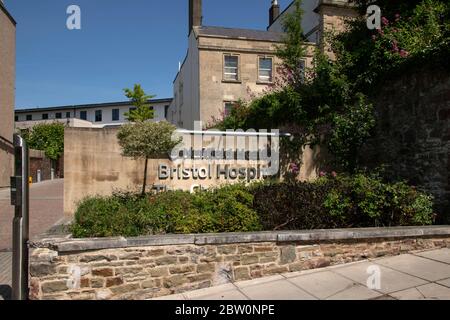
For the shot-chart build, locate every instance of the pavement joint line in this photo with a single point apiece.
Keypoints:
(411, 275)
(289, 280)
(415, 254)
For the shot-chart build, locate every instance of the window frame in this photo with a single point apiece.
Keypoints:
(233, 104)
(85, 117)
(96, 114)
(238, 67)
(58, 115)
(29, 117)
(68, 114)
(113, 114)
(259, 69)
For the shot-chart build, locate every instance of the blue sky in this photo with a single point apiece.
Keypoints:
(120, 43)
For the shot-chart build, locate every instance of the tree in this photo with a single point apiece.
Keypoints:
(293, 50)
(139, 99)
(48, 138)
(147, 140)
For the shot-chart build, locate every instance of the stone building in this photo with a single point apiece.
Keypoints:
(224, 65)
(7, 92)
(320, 18)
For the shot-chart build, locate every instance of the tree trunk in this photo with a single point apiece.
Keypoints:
(145, 176)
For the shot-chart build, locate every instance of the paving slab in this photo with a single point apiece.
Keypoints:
(445, 282)
(356, 292)
(324, 284)
(227, 295)
(431, 291)
(391, 280)
(417, 266)
(249, 283)
(276, 290)
(441, 255)
(212, 291)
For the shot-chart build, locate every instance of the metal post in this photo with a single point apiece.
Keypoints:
(20, 199)
(38, 176)
(52, 174)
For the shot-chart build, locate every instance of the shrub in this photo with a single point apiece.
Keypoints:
(341, 202)
(227, 209)
(330, 202)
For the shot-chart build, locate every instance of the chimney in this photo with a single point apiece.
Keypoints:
(195, 14)
(274, 12)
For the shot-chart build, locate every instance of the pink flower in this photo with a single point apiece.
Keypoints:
(385, 21)
(404, 53)
(334, 174)
(322, 174)
(395, 46)
(397, 17)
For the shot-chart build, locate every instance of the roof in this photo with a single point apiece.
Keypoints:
(90, 106)
(232, 33)
(2, 7)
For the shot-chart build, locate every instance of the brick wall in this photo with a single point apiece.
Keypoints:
(143, 272)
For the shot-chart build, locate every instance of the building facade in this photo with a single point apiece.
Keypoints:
(7, 92)
(87, 116)
(320, 18)
(225, 65)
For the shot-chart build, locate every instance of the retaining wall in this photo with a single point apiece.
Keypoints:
(147, 267)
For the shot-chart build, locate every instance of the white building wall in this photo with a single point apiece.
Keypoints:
(310, 22)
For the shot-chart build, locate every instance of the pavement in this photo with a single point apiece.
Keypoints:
(46, 210)
(418, 276)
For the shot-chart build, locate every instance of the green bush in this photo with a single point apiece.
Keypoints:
(342, 202)
(330, 202)
(226, 209)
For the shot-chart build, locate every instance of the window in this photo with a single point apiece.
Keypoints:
(29, 117)
(83, 115)
(115, 115)
(231, 68)
(228, 108)
(265, 69)
(302, 68)
(166, 111)
(98, 116)
(45, 116)
(16, 118)
(67, 115)
(58, 115)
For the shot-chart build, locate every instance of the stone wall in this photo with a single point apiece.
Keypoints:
(150, 267)
(413, 132)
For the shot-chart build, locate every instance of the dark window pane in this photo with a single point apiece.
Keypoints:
(98, 116)
(58, 115)
(45, 116)
(16, 118)
(83, 115)
(166, 111)
(29, 117)
(67, 114)
(115, 115)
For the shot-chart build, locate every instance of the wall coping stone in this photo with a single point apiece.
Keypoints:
(66, 244)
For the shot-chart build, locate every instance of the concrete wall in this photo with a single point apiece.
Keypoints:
(7, 93)
(94, 166)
